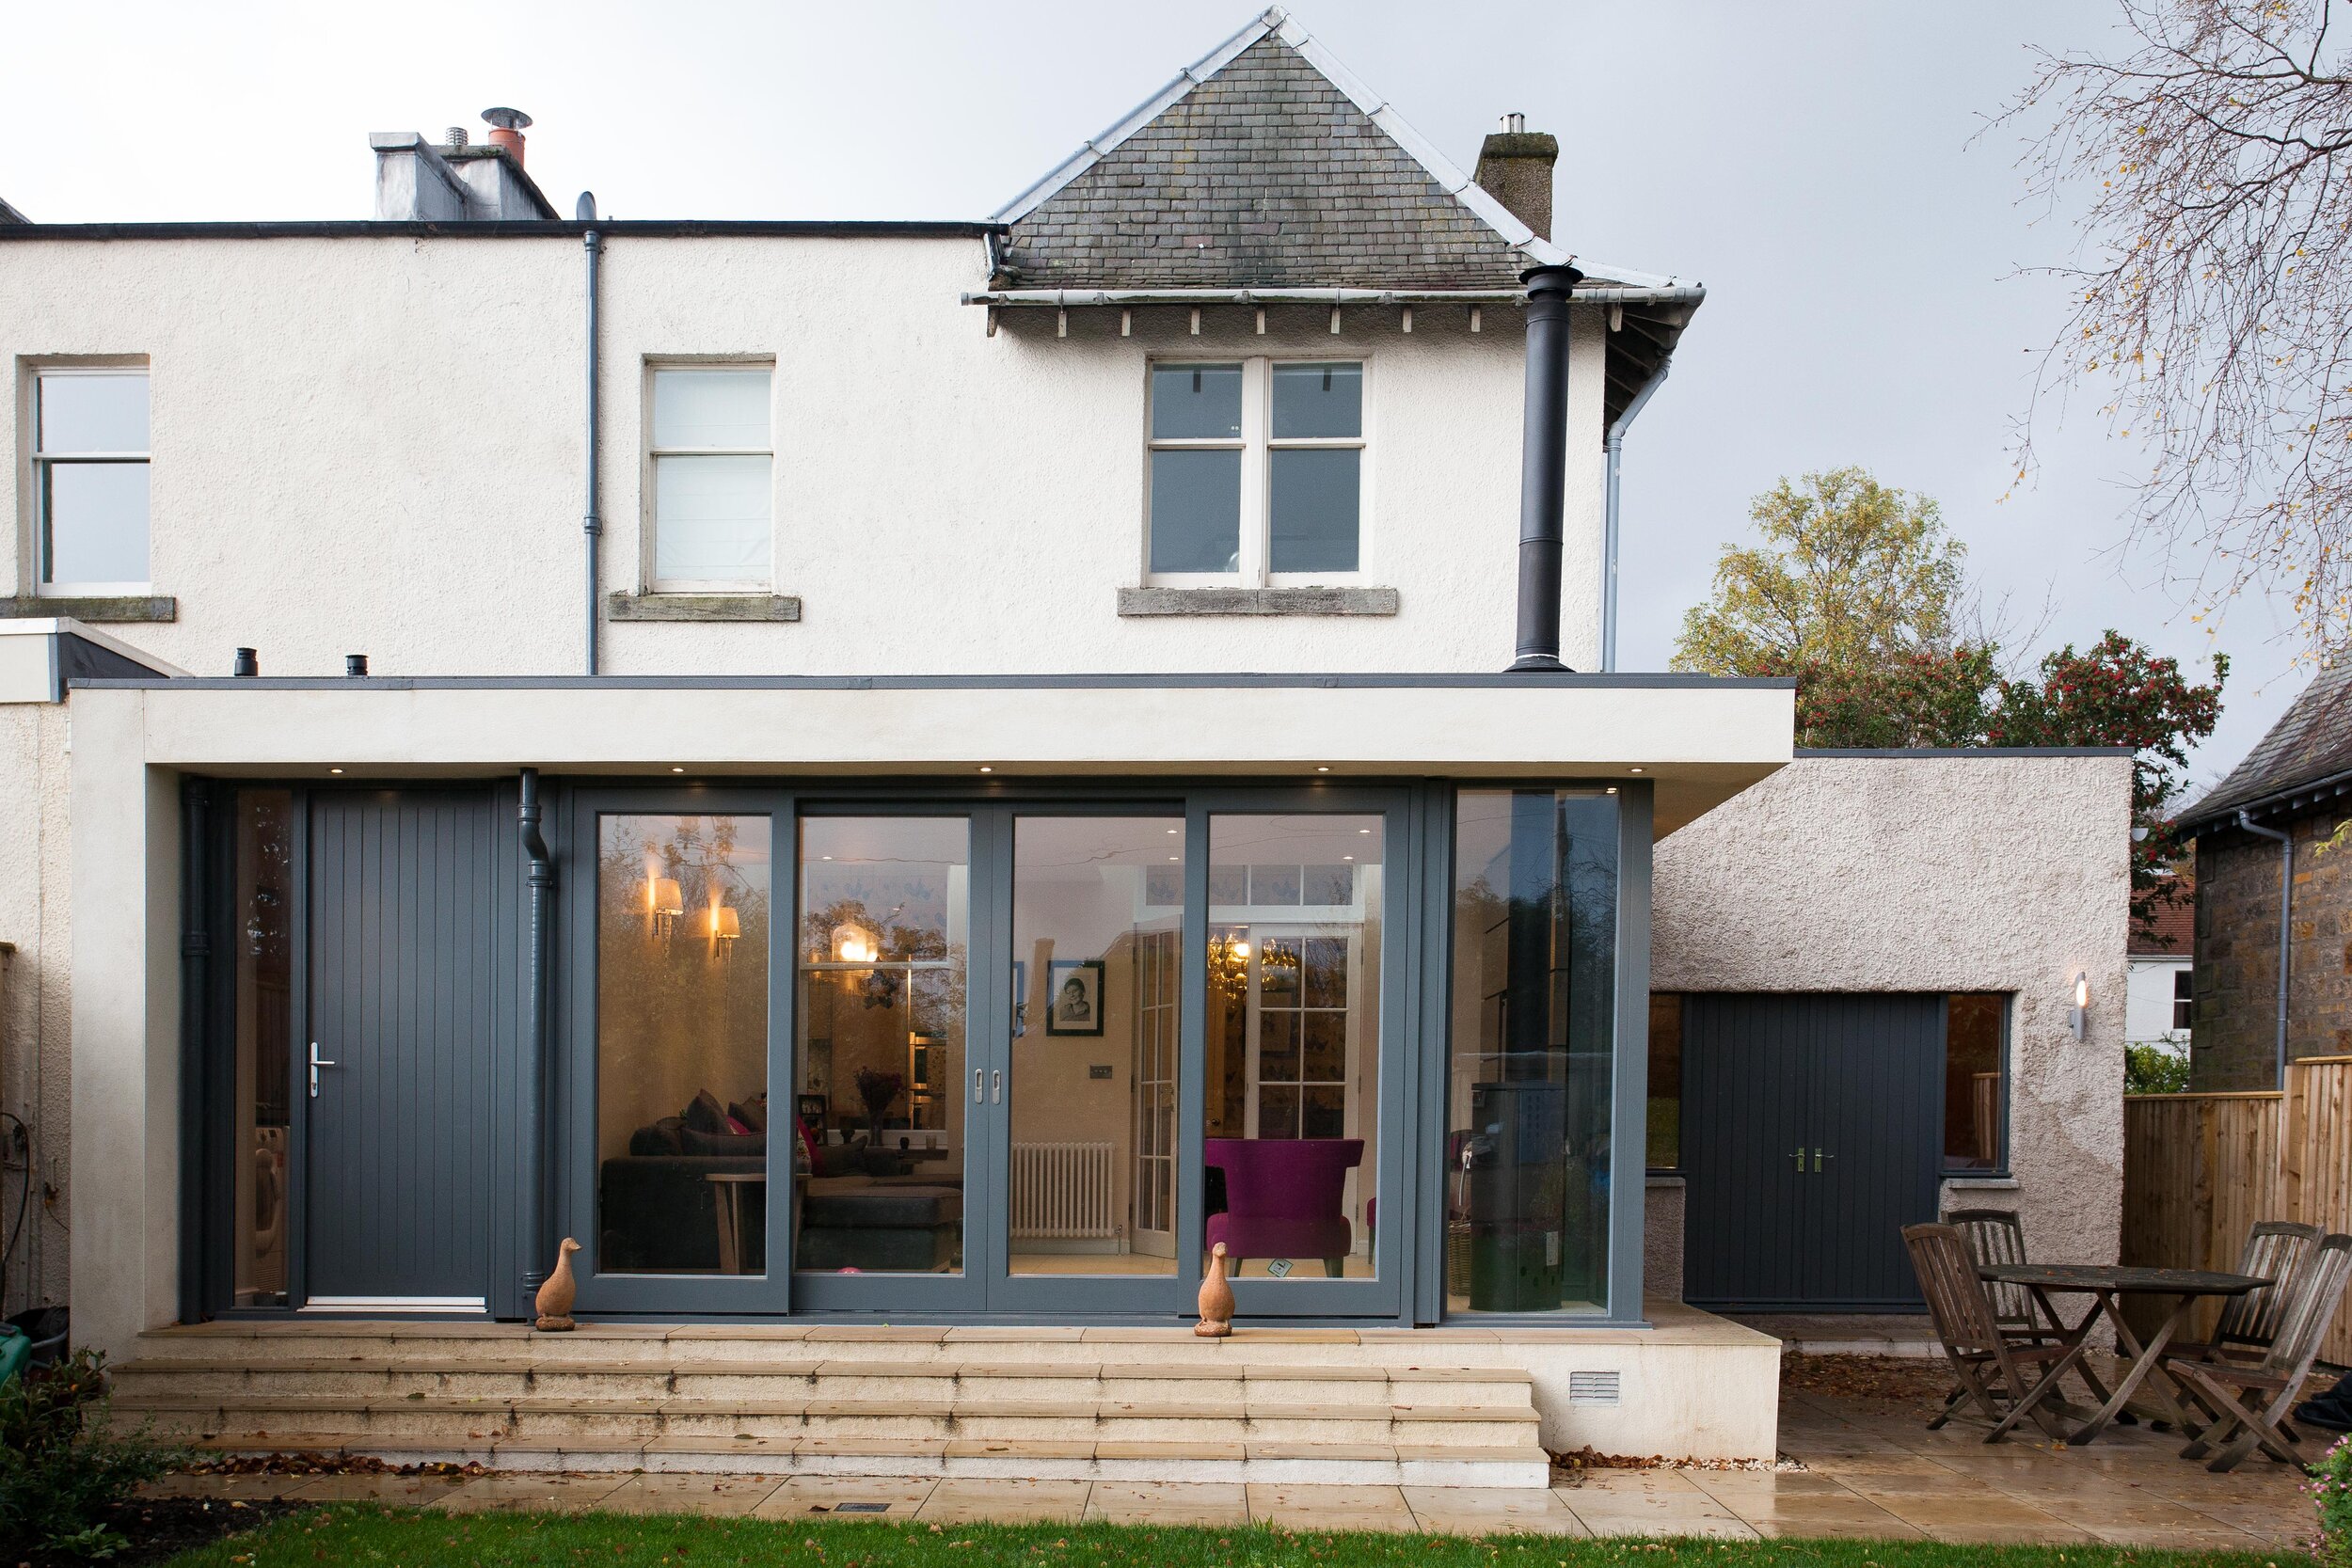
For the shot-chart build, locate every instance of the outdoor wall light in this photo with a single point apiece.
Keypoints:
(2080, 1017)
(334, 770)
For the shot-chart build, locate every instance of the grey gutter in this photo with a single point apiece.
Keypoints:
(1440, 680)
(1615, 443)
(1609, 294)
(1965, 751)
(510, 228)
(592, 526)
(2292, 797)
(540, 1232)
(2286, 929)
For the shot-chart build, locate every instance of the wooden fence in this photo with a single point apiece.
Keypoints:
(2199, 1169)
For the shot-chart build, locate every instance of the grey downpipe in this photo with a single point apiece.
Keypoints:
(590, 523)
(539, 1235)
(2286, 930)
(1617, 451)
(1543, 466)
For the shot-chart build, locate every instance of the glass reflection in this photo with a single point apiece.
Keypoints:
(682, 939)
(878, 1105)
(1528, 1150)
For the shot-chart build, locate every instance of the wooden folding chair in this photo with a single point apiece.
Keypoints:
(2248, 1399)
(1996, 1236)
(2276, 1250)
(1990, 1364)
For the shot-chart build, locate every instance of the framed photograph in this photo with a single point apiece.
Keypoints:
(1074, 996)
(810, 1108)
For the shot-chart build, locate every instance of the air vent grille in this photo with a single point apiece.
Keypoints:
(1592, 1388)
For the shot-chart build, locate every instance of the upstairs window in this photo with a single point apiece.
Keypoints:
(713, 478)
(1257, 471)
(2184, 999)
(89, 481)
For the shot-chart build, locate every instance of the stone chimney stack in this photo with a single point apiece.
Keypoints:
(1515, 167)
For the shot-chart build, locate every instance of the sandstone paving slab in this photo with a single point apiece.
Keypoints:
(972, 1499)
(709, 1496)
(822, 1497)
(391, 1491)
(210, 1488)
(545, 1491)
(1305, 1508)
(1704, 1528)
(1211, 1504)
(1492, 1510)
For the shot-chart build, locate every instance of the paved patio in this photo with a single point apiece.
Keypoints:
(1869, 1468)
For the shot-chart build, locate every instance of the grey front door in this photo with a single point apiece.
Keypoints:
(408, 937)
(1812, 1133)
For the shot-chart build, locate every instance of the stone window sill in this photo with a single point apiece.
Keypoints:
(1152, 600)
(703, 607)
(122, 611)
(1982, 1183)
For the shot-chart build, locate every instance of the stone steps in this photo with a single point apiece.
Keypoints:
(1153, 1407)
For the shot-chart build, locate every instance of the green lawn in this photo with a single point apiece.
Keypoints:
(356, 1535)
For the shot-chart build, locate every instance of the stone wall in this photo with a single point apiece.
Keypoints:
(2234, 1031)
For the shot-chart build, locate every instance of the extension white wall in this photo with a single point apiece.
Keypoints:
(1938, 872)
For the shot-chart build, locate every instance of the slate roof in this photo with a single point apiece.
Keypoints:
(2307, 751)
(1265, 174)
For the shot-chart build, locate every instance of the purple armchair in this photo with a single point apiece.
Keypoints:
(1283, 1199)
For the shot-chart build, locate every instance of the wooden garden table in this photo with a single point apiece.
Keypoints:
(2106, 1284)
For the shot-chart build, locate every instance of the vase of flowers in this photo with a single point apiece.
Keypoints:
(878, 1091)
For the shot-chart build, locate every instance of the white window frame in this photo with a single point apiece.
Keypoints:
(649, 543)
(1257, 444)
(38, 552)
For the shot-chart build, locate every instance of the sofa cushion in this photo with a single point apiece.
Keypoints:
(704, 1114)
(879, 1207)
(659, 1138)
(738, 1144)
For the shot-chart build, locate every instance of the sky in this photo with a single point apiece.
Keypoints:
(1824, 167)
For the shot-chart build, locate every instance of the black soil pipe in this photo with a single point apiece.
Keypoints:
(590, 523)
(539, 1236)
(1544, 466)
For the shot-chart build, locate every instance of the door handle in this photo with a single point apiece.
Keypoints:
(976, 1085)
(1801, 1158)
(1817, 1158)
(997, 1087)
(317, 1062)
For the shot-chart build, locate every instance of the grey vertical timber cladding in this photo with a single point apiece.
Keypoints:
(1857, 1077)
(411, 993)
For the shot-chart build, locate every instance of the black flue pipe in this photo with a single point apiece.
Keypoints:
(1544, 466)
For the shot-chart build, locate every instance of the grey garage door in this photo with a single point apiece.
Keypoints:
(406, 940)
(1812, 1133)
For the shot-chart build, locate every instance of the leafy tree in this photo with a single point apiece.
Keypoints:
(1850, 572)
(1856, 593)
(2154, 1070)
(2210, 161)
(2117, 693)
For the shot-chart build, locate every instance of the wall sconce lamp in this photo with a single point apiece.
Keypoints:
(2080, 1017)
(853, 943)
(664, 903)
(726, 922)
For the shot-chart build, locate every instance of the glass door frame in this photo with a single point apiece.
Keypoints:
(1401, 846)
(574, 1118)
(1174, 1294)
(964, 1294)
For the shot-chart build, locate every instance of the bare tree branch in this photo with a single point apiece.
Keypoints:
(2212, 297)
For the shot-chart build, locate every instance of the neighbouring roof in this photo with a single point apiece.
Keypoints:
(2175, 936)
(2304, 759)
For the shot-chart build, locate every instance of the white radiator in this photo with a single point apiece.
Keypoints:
(1062, 1192)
